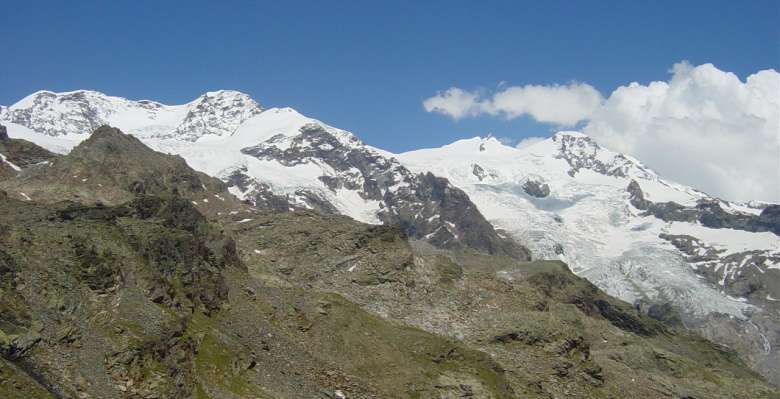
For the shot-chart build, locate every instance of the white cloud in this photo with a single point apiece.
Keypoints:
(559, 105)
(562, 105)
(454, 102)
(704, 127)
(529, 141)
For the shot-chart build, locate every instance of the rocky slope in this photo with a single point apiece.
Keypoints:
(151, 295)
(111, 167)
(646, 240)
(670, 250)
(425, 206)
(16, 155)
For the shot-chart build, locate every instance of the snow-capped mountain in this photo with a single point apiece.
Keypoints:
(634, 234)
(76, 113)
(611, 218)
(276, 158)
(649, 241)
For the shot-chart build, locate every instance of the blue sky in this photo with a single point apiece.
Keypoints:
(367, 66)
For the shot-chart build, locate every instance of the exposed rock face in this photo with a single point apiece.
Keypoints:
(112, 168)
(108, 147)
(712, 215)
(22, 153)
(707, 212)
(747, 274)
(217, 114)
(150, 252)
(536, 189)
(456, 221)
(637, 197)
(262, 195)
(16, 155)
(425, 206)
(581, 152)
(481, 173)
(666, 313)
(770, 218)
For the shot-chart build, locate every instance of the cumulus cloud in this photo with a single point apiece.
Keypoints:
(559, 105)
(562, 105)
(454, 102)
(703, 127)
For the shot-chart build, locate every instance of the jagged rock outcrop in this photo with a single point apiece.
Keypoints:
(580, 152)
(16, 155)
(770, 218)
(536, 188)
(110, 168)
(215, 114)
(481, 173)
(707, 212)
(425, 206)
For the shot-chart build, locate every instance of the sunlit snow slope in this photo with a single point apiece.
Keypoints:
(567, 198)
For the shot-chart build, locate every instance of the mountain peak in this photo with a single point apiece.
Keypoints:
(570, 133)
(224, 93)
(53, 94)
(214, 113)
(60, 114)
(229, 98)
(112, 167)
(108, 143)
(106, 131)
(582, 152)
(489, 142)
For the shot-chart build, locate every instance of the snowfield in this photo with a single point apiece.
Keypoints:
(587, 220)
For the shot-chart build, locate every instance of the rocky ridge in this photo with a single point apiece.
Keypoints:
(16, 155)
(425, 206)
